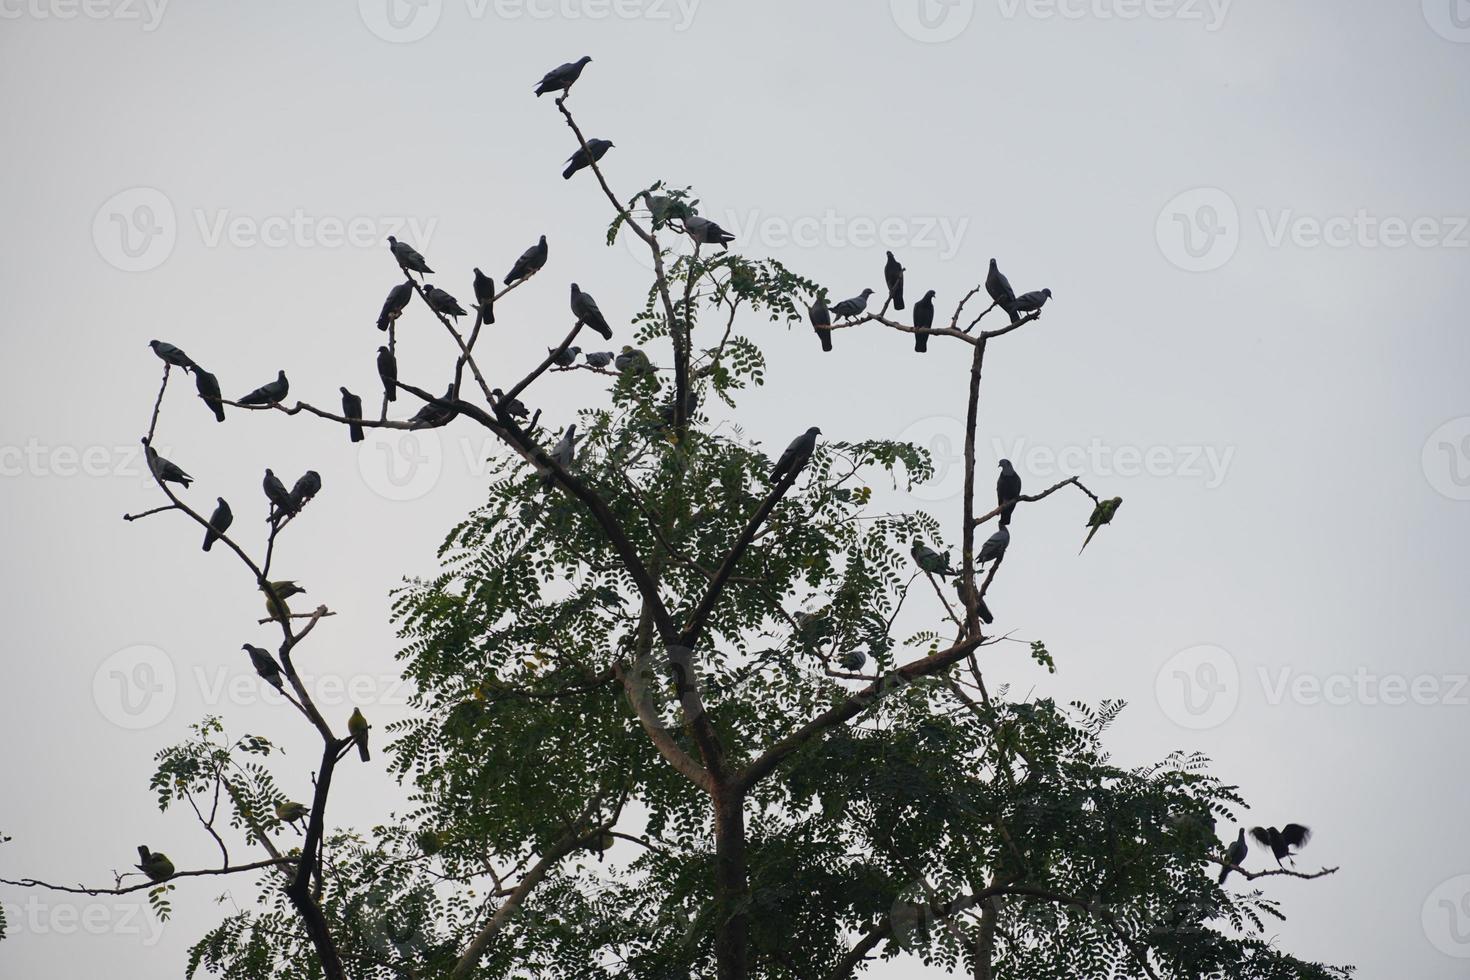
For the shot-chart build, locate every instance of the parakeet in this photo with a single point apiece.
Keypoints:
(1101, 514)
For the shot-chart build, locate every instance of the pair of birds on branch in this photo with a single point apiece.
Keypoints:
(270, 393)
(561, 79)
(1283, 844)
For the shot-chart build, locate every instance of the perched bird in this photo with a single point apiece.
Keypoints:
(584, 308)
(265, 665)
(530, 263)
(304, 489)
(270, 393)
(1281, 842)
(484, 298)
(893, 276)
(1032, 301)
(923, 320)
(513, 407)
(1007, 489)
(564, 453)
(969, 598)
(154, 864)
(288, 812)
(599, 359)
(821, 318)
(219, 522)
(560, 78)
(208, 387)
(277, 494)
(930, 560)
(352, 409)
(1101, 514)
(632, 361)
(1235, 855)
(586, 156)
(276, 596)
(852, 307)
(853, 660)
(995, 546)
(706, 232)
(163, 470)
(436, 413)
(357, 725)
(395, 304)
(565, 358)
(409, 260)
(428, 842)
(388, 372)
(442, 303)
(664, 208)
(796, 455)
(170, 354)
(1001, 293)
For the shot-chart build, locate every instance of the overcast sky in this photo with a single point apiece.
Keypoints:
(1253, 216)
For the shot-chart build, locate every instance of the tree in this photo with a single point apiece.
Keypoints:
(644, 645)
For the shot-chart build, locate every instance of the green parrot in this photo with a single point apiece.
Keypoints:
(154, 864)
(289, 812)
(1101, 514)
(283, 590)
(358, 726)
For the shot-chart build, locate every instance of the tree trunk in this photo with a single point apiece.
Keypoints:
(731, 887)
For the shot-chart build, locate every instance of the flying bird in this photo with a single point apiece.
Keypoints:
(923, 320)
(265, 665)
(164, 470)
(276, 596)
(270, 393)
(1235, 855)
(484, 298)
(893, 276)
(219, 522)
(208, 387)
(995, 546)
(409, 260)
(1282, 841)
(530, 263)
(796, 455)
(706, 232)
(170, 354)
(1101, 514)
(436, 413)
(352, 409)
(357, 725)
(1007, 489)
(154, 864)
(561, 78)
(304, 489)
(586, 156)
(821, 318)
(849, 308)
(395, 304)
(388, 372)
(1032, 301)
(930, 560)
(1001, 293)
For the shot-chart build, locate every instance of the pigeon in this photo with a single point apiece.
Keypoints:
(276, 493)
(1282, 841)
(1033, 301)
(561, 78)
(265, 665)
(584, 308)
(442, 303)
(219, 522)
(632, 361)
(585, 156)
(796, 455)
(304, 489)
(923, 320)
(1007, 489)
(170, 354)
(1101, 514)
(599, 359)
(930, 560)
(352, 409)
(484, 298)
(707, 232)
(289, 812)
(358, 726)
(852, 307)
(530, 263)
(565, 358)
(966, 597)
(409, 260)
(1235, 855)
(435, 414)
(821, 318)
(163, 470)
(1001, 293)
(564, 454)
(395, 304)
(513, 407)
(995, 546)
(388, 372)
(208, 387)
(269, 394)
(283, 590)
(154, 864)
(853, 660)
(893, 276)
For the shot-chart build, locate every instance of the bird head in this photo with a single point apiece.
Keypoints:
(383, 350)
(814, 431)
(1046, 293)
(392, 240)
(584, 59)
(1005, 464)
(929, 295)
(867, 292)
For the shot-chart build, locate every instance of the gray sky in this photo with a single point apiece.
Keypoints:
(1253, 215)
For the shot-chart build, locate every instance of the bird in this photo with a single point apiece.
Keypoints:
(352, 409)
(853, 660)
(585, 156)
(388, 372)
(435, 413)
(821, 318)
(512, 407)
(564, 453)
(584, 308)
(219, 522)
(276, 596)
(561, 78)
(1001, 293)
(208, 387)
(923, 320)
(530, 263)
(358, 726)
(852, 307)
(170, 354)
(1235, 855)
(304, 489)
(632, 361)
(277, 494)
(893, 276)
(265, 665)
(395, 304)
(1007, 489)
(484, 298)
(154, 864)
(1032, 301)
(995, 546)
(565, 358)
(270, 393)
(442, 303)
(289, 812)
(409, 260)
(930, 560)
(1281, 842)
(796, 455)
(163, 470)
(599, 359)
(705, 231)
(1101, 514)
(969, 598)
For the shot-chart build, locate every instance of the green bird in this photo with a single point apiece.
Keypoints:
(275, 604)
(154, 864)
(358, 726)
(930, 560)
(289, 812)
(1101, 514)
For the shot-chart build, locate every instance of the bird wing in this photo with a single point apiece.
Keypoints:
(1295, 835)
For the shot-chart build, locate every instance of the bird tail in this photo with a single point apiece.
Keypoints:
(1224, 873)
(383, 323)
(567, 173)
(826, 336)
(356, 433)
(362, 749)
(143, 853)
(898, 299)
(603, 329)
(1089, 538)
(487, 315)
(208, 540)
(1005, 517)
(391, 394)
(219, 411)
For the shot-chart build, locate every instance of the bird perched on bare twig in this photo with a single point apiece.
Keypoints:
(562, 77)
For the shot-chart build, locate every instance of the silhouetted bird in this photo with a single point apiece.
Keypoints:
(530, 262)
(219, 522)
(821, 318)
(584, 308)
(357, 726)
(270, 393)
(561, 78)
(512, 407)
(395, 304)
(999, 288)
(283, 590)
(707, 232)
(852, 307)
(1235, 855)
(484, 298)
(930, 560)
(154, 864)
(442, 303)
(585, 156)
(1033, 301)
(893, 276)
(304, 489)
(277, 494)
(171, 354)
(164, 470)
(796, 455)
(265, 665)
(1282, 841)
(1101, 514)
(208, 387)
(352, 409)
(435, 414)
(969, 598)
(1007, 489)
(388, 373)
(409, 260)
(923, 320)
(995, 546)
